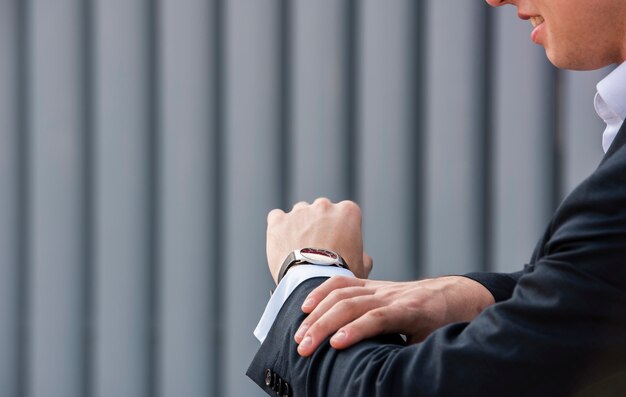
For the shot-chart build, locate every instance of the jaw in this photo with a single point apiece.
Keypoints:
(579, 59)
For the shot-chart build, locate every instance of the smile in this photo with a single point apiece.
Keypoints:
(536, 21)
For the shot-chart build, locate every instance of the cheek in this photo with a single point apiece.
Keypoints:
(575, 35)
(577, 48)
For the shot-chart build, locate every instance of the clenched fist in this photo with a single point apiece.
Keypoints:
(323, 224)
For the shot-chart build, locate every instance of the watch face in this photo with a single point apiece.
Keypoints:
(320, 256)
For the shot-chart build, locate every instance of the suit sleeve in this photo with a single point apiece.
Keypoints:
(541, 342)
(562, 332)
(500, 285)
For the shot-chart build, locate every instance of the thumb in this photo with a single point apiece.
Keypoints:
(368, 264)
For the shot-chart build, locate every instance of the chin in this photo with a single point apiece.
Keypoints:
(576, 60)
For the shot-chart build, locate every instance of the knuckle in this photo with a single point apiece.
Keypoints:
(323, 202)
(317, 294)
(324, 289)
(342, 293)
(274, 215)
(377, 315)
(333, 284)
(299, 205)
(336, 294)
(340, 281)
(348, 295)
(312, 318)
(348, 305)
(351, 207)
(319, 327)
(368, 262)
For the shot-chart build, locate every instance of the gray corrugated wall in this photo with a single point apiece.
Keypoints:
(142, 143)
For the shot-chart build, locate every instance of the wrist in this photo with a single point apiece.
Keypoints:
(311, 256)
(465, 298)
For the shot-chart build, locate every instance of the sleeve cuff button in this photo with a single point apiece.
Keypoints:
(269, 378)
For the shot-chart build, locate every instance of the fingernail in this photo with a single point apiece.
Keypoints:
(339, 336)
(300, 333)
(308, 303)
(306, 343)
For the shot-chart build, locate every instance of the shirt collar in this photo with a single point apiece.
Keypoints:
(610, 101)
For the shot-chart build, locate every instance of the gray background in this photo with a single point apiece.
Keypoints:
(143, 142)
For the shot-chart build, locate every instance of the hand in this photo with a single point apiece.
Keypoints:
(336, 227)
(354, 309)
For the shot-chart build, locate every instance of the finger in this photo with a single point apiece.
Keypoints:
(350, 205)
(333, 283)
(418, 337)
(368, 264)
(379, 321)
(327, 304)
(344, 312)
(274, 214)
(323, 202)
(299, 204)
(352, 210)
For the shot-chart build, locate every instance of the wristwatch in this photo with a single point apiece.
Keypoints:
(311, 256)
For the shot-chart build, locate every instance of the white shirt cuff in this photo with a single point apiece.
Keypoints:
(296, 276)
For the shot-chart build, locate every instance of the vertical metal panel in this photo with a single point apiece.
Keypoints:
(389, 157)
(320, 150)
(9, 201)
(221, 140)
(122, 207)
(524, 112)
(56, 230)
(454, 144)
(582, 128)
(252, 178)
(188, 233)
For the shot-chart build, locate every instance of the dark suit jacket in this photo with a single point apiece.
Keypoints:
(558, 327)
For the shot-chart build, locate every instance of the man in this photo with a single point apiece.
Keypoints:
(555, 328)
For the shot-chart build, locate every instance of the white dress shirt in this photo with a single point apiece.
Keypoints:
(610, 104)
(294, 277)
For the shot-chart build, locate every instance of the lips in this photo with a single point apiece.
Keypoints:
(538, 24)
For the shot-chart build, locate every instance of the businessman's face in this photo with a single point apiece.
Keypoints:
(576, 34)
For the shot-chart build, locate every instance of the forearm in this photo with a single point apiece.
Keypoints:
(465, 298)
